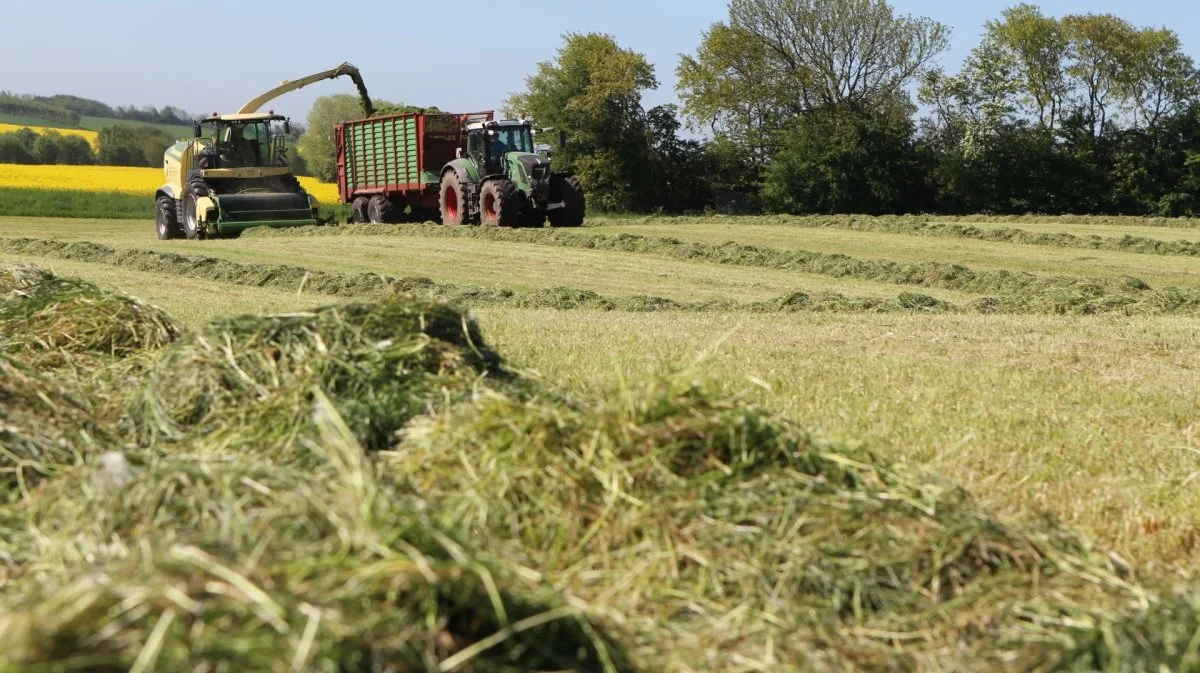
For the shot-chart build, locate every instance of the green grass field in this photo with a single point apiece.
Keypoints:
(1093, 418)
(1043, 376)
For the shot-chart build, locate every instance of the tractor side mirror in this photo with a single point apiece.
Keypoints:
(562, 139)
(287, 127)
(196, 132)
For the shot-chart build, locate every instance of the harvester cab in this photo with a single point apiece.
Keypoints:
(250, 141)
(234, 173)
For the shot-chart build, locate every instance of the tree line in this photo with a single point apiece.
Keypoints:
(839, 106)
(120, 145)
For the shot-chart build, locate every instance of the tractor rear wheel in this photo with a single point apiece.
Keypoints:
(454, 206)
(166, 218)
(358, 210)
(500, 204)
(570, 192)
(379, 209)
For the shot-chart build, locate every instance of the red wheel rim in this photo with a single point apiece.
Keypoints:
(451, 203)
(489, 207)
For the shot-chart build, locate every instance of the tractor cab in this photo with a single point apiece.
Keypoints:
(488, 142)
(242, 141)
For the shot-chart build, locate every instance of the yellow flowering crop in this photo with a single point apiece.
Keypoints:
(136, 181)
(90, 136)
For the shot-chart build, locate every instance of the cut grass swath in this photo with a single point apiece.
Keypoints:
(510, 527)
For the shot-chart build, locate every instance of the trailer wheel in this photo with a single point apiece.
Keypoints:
(166, 218)
(570, 192)
(500, 204)
(453, 205)
(358, 210)
(379, 209)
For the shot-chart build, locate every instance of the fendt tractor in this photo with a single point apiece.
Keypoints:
(234, 174)
(463, 169)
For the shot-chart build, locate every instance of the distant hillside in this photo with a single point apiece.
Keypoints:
(176, 131)
(65, 111)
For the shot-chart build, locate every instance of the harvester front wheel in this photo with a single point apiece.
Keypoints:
(379, 209)
(166, 218)
(358, 210)
(191, 219)
(454, 207)
(570, 192)
(499, 204)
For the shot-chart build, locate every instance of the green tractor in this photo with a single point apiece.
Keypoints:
(501, 180)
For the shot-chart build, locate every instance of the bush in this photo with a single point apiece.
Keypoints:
(124, 145)
(14, 151)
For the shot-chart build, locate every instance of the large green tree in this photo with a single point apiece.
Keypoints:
(593, 90)
(317, 145)
(776, 59)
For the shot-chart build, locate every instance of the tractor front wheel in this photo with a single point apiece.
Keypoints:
(166, 218)
(454, 207)
(358, 210)
(379, 209)
(500, 204)
(570, 192)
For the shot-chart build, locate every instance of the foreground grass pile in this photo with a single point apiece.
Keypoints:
(366, 488)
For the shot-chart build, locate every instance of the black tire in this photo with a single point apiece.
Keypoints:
(500, 204)
(532, 218)
(358, 210)
(569, 191)
(191, 220)
(166, 218)
(453, 205)
(379, 210)
(422, 215)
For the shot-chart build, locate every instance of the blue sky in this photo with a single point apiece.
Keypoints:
(461, 56)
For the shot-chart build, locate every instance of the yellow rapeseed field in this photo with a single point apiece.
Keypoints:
(91, 136)
(137, 181)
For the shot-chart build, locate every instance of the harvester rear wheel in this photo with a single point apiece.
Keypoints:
(570, 192)
(358, 210)
(500, 204)
(379, 209)
(454, 206)
(166, 218)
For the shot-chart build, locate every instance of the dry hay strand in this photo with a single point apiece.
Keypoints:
(168, 562)
(252, 376)
(43, 316)
(43, 427)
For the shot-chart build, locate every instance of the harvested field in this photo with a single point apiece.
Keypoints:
(613, 449)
